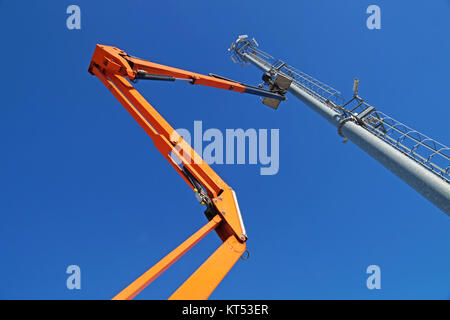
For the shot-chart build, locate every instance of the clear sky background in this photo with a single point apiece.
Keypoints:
(81, 183)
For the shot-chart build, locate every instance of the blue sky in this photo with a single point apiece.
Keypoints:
(81, 183)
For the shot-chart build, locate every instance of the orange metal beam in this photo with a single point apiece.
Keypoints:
(211, 272)
(202, 172)
(148, 117)
(112, 66)
(115, 61)
(139, 119)
(144, 280)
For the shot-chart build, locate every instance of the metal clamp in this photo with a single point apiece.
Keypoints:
(341, 124)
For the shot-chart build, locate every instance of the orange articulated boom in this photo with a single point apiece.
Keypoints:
(113, 67)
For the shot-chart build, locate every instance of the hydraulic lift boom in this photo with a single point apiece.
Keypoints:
(113, 67)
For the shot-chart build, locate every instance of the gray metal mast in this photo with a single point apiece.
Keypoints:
(421, 162)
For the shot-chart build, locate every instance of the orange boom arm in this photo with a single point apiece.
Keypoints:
(112, 66)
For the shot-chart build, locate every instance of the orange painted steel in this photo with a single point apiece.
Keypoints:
(211, 272)
(115, 61)
(144, 280)
(113, 67)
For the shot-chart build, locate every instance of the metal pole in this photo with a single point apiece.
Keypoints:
(429, 185)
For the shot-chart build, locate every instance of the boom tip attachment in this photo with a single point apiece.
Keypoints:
(280, 86)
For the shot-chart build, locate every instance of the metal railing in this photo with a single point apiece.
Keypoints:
(428, 152)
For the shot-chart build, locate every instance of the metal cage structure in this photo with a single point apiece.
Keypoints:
(357, 118)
